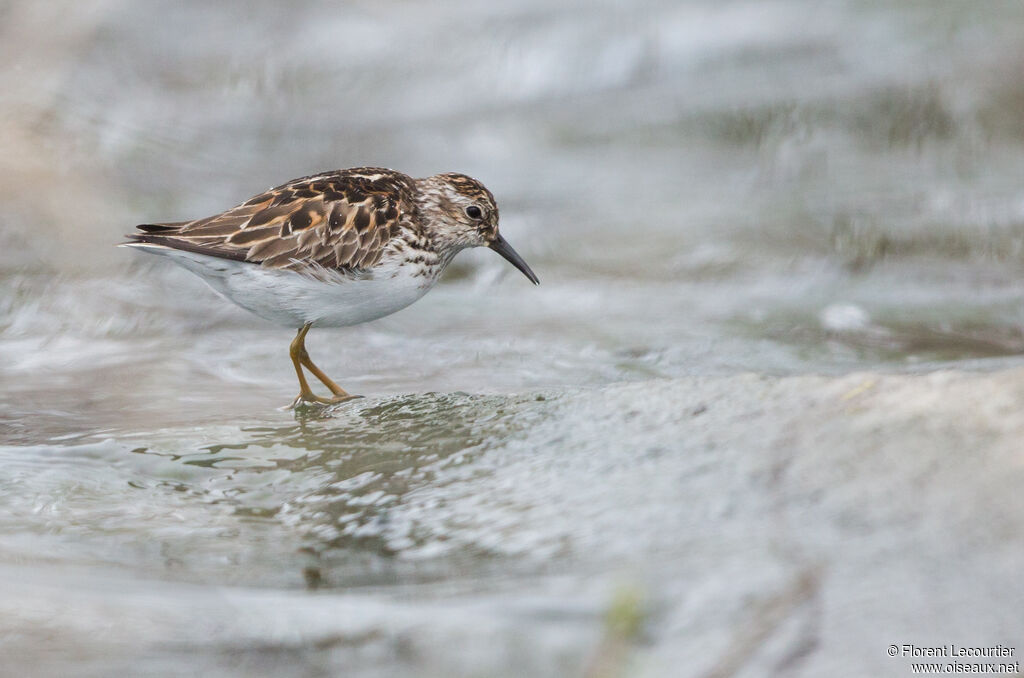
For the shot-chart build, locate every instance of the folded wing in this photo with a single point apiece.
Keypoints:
(339, 220)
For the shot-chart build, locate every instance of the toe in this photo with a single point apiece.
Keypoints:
(343, 398)
(306, 401)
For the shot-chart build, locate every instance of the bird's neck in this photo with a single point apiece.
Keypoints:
(425, 253)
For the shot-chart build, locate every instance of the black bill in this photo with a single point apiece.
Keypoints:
(501, 246)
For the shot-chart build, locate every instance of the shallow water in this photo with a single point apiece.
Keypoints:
(678, 451)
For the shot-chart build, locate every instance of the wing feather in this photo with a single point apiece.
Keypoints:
(340, 220)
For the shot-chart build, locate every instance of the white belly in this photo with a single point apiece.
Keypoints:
(293, 299)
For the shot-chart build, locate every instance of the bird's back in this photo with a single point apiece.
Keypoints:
(341, 220)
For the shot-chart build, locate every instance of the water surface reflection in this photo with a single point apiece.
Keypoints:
(341, 480)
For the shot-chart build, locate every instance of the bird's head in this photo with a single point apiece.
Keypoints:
(463, 213)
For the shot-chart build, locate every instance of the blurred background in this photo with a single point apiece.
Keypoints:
(736, 209)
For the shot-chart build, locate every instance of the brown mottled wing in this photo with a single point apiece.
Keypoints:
(339, 220)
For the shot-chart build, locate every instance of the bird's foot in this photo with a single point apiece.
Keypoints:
(303, 401)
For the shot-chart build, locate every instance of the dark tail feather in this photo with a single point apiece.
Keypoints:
(153, 233)
(144, 237)
(161, 228)
(166, 239)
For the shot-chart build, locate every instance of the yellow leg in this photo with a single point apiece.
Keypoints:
(300, 358)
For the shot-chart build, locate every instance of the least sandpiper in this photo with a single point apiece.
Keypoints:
(334, 249)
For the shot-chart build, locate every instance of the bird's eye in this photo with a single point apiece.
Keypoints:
(474, 212)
